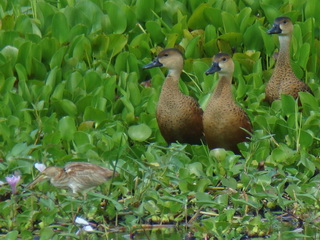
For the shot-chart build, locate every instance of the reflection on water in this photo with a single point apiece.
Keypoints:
(156, 234)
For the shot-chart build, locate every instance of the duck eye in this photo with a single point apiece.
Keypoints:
(224, 59)
(166, 55)
(284, 21)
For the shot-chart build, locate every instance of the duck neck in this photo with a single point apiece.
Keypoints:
(172, 81)
(284, 53)
(223, 88)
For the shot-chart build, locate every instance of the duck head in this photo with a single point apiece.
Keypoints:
(282, 26)
(222, 63)
(170, 58)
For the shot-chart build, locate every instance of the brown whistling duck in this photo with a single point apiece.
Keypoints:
(223, 120)
(179, 116)
(283, 79)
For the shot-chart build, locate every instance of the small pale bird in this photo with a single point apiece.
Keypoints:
(75, 176)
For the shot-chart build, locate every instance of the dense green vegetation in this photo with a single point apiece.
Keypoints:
(70, 90)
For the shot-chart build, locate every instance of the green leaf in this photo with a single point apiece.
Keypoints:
(289, 105)
(117, 17)
(144, 9)
(67, 128)
(60, 27)
(69, 107)
(197, 19)
(139, 132)
(155, 31)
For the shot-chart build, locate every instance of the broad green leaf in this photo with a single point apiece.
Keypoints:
(193, 48)
(289, 105)
(67, 128)
(60, 27)
(252, 38)
(117, 17)
(94, 114)
(144, 9)
(58, 91)
(139, 132)
(308, 101)
(197, 19)
(155, 31)
(267, 41)
(69, 107)
(229, 23)
(56, 60)
(213, 17)
(117, 42)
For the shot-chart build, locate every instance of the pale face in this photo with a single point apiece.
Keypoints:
(171, 59)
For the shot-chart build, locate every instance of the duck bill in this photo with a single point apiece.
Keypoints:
(154, 63)
(213, 69)
(275, 29)
(38, 179)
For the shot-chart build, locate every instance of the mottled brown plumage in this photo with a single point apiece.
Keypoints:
(76, 176)
(223, 119)
(283, 79)
(179, 116)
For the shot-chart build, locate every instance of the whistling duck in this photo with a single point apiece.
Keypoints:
(283, 79)
(223, 120)
(179, 116)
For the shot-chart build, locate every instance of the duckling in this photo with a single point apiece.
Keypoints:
(283, 79)
(224, 121)
(179, 116)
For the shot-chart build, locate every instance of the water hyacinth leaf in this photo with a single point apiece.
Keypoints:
(117, 17)
(231, 183)
(289, 105)
(10, 53)
(82, 48)
(252, 38)
(197, 19)
(26, 26)
(135, 95)
(229, 23)
(56, 60)
(139, 132)
(144, 9)
(118, 42)
(91, 113)
(13, 235)
(25, 56)
(271, 11)
(305, 139)
(155, 31)
(60, 27)
(53, 77)
(267, 41)
(304, 51)
(213, 17)
(67, 128)
(193, 48)
(69, 107)
(39, 70)
(92, 80)
(245, 19)
(130, 16)
(139, 46)
(308, 101)
(49, 46)
(58, 91)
